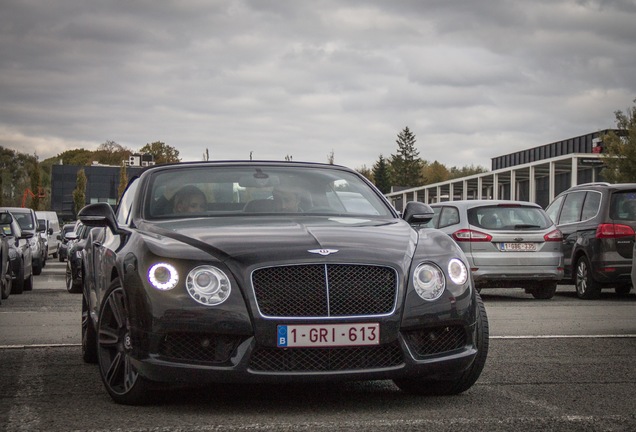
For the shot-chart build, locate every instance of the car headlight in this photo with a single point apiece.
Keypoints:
(429, 281)
(163, 276)
(208, 285)
(457, 271)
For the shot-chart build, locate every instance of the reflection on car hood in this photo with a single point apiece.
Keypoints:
(262, 240)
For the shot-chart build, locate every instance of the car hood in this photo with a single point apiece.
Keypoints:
(253, 241)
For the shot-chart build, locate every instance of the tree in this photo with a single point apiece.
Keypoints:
(381, 175)
(79, 194)
(36, 185)
(365, 171)
(111, 153)
(161, 152)
(123, 181)
(330, 158)
(406, 166)
(435, 172)
(619, 149)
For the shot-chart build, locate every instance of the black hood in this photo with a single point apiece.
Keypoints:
(265, 240)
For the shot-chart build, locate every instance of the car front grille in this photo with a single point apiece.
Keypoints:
(325, 359)
(331, 290)
(197, 347)
(435, 340)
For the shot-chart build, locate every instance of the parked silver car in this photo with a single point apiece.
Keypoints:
(509, 244)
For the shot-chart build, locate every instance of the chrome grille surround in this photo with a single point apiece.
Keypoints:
(325, 290)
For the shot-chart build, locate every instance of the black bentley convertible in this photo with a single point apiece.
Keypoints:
(218, 272)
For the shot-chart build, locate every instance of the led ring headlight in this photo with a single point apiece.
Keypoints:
(163, 276)
(208, 285)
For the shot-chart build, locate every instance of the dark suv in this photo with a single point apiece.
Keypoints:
(598, 222)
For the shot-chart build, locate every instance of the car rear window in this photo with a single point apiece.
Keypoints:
(509, 217)
(623, 205)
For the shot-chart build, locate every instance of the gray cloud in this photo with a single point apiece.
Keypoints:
(276, 78)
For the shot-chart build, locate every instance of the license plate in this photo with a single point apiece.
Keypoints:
(328, 335)
(518, 247)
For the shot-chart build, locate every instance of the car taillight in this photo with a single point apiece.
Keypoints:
(614, 231)
(555, 235)
(466, 235)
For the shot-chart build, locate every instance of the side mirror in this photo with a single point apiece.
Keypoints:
(417, 212)
(99, 215)
(50, 231)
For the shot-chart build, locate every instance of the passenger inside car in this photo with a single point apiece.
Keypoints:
(287, 200)
(189, 199)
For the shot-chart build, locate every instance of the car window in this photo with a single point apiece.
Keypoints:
(246, 191)
(623, 205)
(24, 220)
(553, 209)
(509, 217)
(126, 202)
(572, 207)
(591, 205)
(448, 217)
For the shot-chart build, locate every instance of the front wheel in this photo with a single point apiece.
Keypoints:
(468, 378)
(114, 347)
(71, 286)
(6, 280)
(586, 287)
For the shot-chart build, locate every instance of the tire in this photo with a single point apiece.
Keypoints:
(37, 269)
(6, 283)
(18, 286)
(71, 286)
(122, 381)
(428, 387)
(544, 292)
(28, 284)
(89, 336)
(586, 287)
(623, 290)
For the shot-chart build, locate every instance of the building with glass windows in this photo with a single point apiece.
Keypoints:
(536, 175)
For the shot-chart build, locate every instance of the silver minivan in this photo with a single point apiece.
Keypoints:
(509, 244)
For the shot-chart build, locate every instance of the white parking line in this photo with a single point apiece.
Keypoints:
(610, 336)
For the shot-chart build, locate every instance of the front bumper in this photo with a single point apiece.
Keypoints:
(435, 353)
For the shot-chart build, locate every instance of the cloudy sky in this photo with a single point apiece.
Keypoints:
(472, 80)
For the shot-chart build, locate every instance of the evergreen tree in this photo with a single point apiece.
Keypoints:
(406, 166)
(381, 176)
(79, 194)
(123, 181)
(619, 149)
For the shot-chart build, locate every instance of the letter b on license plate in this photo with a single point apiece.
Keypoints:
(328, 335)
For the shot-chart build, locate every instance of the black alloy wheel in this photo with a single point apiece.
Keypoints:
(586, 287)
(114, 347)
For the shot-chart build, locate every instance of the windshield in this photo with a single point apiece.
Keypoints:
(508, 217)
(258, 190)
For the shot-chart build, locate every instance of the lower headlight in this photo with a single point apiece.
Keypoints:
(208, 285)
(163, 276)
(429, 281)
